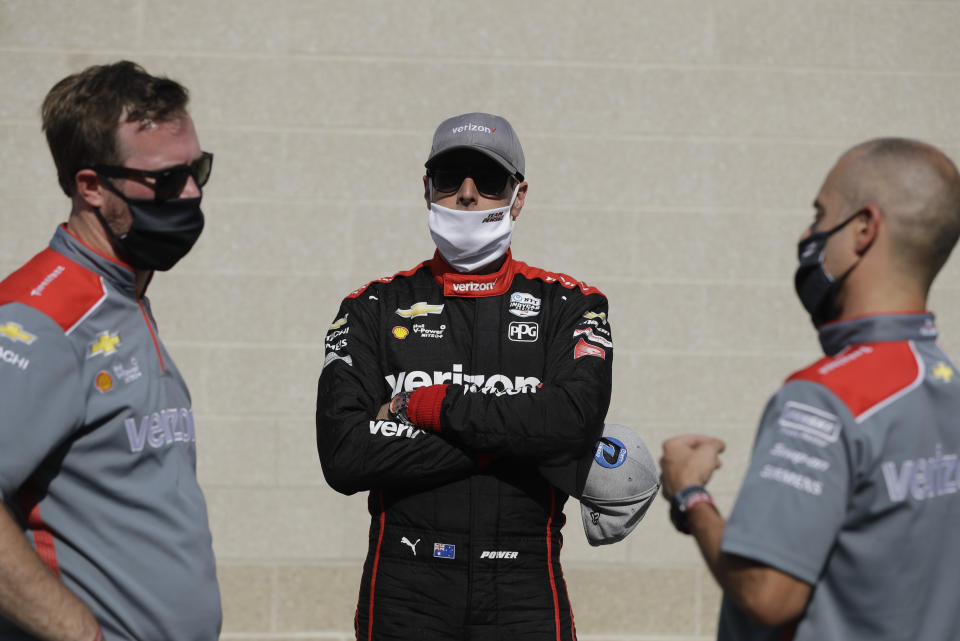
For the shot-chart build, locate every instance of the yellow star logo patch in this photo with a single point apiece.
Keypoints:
(106, 343)
(15, 332)
(943, 371)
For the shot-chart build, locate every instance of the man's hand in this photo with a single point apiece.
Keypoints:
(689, 460)
(384, 413)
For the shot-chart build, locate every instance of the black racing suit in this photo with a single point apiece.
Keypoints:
(511, 370)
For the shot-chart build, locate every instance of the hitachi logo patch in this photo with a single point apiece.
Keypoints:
(474, 287)
(498, 554)
(10, 356)
(409, 381)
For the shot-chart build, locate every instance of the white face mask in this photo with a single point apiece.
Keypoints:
(469, 240)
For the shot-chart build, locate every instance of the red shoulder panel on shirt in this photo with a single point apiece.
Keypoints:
(386, 279)
(535, 273)
(868, 375)
(56, 286)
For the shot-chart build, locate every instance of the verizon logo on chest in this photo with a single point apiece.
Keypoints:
(161, 429)
(473, 287)
(409, 381)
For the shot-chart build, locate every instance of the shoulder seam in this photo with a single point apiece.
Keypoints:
(565, 280)
(385, 279)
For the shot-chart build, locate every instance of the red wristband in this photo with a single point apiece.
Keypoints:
(99, 636)
(424, 406)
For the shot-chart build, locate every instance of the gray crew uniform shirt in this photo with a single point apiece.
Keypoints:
(852, 488)
(98, 448)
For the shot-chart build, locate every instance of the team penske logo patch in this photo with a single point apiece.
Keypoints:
(495, 217)
(610, 452)
(419, 309)
(809, 423)
(16, 333)
(105, 344)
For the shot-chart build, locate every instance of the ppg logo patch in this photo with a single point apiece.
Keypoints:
(523, 332)
(610, 452)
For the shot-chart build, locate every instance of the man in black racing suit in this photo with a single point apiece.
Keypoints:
(443, 389)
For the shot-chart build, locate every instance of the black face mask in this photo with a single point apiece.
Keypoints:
(816, 288)
(162, 232)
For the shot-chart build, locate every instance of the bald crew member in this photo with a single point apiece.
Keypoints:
(845, 527)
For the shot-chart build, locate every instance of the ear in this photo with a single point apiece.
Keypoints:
(426, 191)
(89, 187)
(867, 229)
(518, 203)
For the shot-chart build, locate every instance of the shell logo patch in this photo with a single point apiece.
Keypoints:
(400, 332)
(104, 382)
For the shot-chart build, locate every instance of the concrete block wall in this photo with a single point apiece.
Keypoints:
(673, 151)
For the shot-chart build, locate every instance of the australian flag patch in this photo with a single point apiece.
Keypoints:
(444, 550)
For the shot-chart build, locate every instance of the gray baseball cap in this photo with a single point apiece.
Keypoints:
(490, 135)
(616, 482)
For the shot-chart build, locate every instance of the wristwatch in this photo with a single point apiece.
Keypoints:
(684, 499)
(398, 408)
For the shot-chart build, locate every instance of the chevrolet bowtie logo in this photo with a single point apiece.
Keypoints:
(15, 332)
(943, 371)
(419, 309)
(595, 315)
(340, 322)
(106, 343)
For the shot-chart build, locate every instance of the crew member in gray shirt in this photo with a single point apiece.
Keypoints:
(844, 527)
(103, 527)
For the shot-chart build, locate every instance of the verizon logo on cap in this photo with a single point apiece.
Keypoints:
(473, 127)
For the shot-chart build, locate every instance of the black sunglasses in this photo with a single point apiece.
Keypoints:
(167, 183)
(490, 182)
